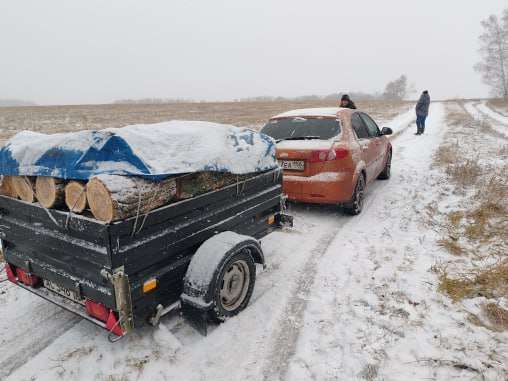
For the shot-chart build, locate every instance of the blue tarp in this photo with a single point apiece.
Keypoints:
(153, 151)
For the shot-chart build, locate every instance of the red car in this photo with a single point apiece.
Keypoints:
(330, 155)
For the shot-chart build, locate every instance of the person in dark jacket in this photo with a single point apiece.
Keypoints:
(346, 102)
(422, 110)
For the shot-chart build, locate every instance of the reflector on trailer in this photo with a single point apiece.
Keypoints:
(10, 273)
(113, 325)
(97, 310)
(150, 285)
(27, 278)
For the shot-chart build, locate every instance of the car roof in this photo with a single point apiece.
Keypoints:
(329, 112)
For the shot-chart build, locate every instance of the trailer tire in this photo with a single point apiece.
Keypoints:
(233, 285)
(220, 278)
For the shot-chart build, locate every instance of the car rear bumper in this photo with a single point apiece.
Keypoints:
(324, 188)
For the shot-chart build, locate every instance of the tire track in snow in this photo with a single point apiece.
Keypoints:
(47, 324)
(495, 126)
(288, 330)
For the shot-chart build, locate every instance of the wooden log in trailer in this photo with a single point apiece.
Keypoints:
(24, 187)
(113, 197)
(7, 187)
(75, 196)
(50, 191)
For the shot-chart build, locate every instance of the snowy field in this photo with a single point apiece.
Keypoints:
(342, 298)
(50, 119)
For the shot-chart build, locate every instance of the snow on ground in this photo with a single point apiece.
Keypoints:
(373, 311)
(342, 298)
(481, 111)
(483, 107)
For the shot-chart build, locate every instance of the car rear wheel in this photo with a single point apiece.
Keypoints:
(385, 175)
(355, 206)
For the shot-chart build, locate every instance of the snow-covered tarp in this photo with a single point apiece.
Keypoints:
(149, 150)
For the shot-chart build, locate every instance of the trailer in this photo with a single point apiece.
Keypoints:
(198, 254)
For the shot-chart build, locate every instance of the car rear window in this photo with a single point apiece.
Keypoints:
(294, 128)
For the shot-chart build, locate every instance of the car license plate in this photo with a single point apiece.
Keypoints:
(292, 165)
(69, 294)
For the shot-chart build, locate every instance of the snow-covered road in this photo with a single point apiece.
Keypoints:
(342, 298)
(481, 111)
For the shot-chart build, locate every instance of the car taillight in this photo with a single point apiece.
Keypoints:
(97, 310)
(10, 273)
(27, 278)
(328, 155)
(102, 313)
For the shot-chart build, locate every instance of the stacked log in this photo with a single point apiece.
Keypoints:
(194, 184)
(113, 197)
(50, 191)
(7, 187)
(75, 196)
(24, 186)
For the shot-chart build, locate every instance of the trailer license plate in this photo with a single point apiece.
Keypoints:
(69, 294)
(292, 165)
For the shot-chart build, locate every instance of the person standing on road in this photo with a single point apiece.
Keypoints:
(422, 110)
(346, 102)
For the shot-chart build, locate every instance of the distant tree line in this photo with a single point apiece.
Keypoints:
(154, 101)
(16, 103)
(398, 89)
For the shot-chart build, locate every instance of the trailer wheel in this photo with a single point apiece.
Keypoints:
(220, 278)
(233, 285)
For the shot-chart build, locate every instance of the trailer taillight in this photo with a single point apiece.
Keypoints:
(27, 278)
(97, 310)
(10, 273)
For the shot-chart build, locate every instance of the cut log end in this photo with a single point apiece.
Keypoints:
(24, 187)
(99, 199)
(7, 187)
(49, 191)
(75, 196)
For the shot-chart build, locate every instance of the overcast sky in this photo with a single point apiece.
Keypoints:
(95, 51)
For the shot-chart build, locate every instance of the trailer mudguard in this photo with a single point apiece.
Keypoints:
(198, 288)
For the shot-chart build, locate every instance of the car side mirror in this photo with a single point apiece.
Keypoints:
(386, 131)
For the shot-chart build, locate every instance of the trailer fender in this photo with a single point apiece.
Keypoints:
(197, 298)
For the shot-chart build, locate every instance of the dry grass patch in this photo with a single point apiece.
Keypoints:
(451, 245)
(465, 173)
(490, 283)
(496, 315)
(2, 259)
(446, 155)
(499, 105)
